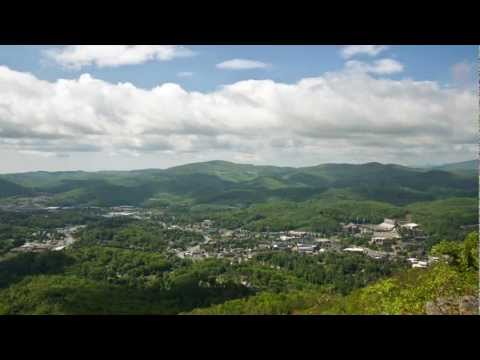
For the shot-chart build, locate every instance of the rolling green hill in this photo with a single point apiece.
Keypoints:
(226, 183)
(228, 171)
(8, 188)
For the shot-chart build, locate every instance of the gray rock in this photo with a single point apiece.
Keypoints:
(469, 305)
(464, 305)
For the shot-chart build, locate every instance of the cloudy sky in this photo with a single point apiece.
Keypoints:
(134, 106)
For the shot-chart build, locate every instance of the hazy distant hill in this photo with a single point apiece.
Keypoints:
(469, 167)
(8, 188)
(226, 183)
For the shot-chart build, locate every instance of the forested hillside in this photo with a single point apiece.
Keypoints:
(8, 188)
(222, 183)
(450, 287)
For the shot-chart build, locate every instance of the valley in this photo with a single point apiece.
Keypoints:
(201, 235)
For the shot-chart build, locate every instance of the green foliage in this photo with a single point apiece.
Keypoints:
(262, 276)
(267, 303)
(121, 267)
(341, 272)
(17, 229)
(149, 282)
(406, 292)
(75, 295)
(322, 216)
(8, 189)
(463, 255)
(16, 268)
(128, 233)
(102, 280)
(99, 193)
(443, 219)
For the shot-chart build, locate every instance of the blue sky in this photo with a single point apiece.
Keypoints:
(165, 105)
(289, 64)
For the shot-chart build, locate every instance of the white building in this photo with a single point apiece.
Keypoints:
(410, 226)
(419, 264)
(386, 225)
(354, 249)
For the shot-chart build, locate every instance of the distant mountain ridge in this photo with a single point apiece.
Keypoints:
(222, 164)
(227, 183)
(465, 167)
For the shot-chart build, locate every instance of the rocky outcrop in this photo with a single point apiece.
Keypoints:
(464, 305)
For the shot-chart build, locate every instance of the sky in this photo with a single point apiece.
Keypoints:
(121, 107)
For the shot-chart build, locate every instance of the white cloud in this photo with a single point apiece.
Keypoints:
(340, 116)
(380, 67)
(78, 56)
(242, 64)
(185, 74)
(371, 50)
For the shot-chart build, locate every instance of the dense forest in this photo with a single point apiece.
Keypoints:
(100, 279)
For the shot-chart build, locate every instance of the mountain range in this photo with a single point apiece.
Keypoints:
(227, 183)
(465, 167)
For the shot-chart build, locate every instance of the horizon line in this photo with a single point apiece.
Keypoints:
(237, 163)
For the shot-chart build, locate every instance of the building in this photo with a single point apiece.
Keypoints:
(352, 228)
(384, 237)
(297, 234)
(417, 263)
(410, 226)
(306, 249)
(324, 243)
(375, 254)
(386, 225)
(355, 249)
(207, 223)
(420, 264)
(32, 247)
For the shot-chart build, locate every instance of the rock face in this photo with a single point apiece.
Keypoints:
(468, 305)
(465, 305)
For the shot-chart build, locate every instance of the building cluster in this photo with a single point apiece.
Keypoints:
(236, 255)
(128, 211)
(417, 263)
(50, 245)
(241, 244)
(56, 241)
(374, 254)
(389, 231)
(396, 235)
